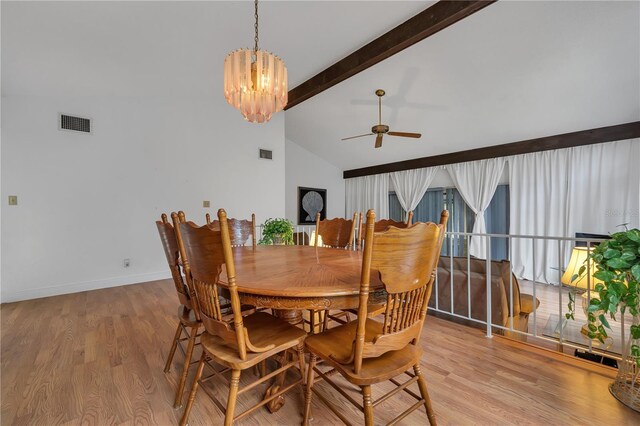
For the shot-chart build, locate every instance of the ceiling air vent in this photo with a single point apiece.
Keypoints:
(75, 124)
(265, 153)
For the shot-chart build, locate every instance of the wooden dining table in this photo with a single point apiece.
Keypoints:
(290, 279)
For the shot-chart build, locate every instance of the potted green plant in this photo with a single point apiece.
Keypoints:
(277, 231)
(617, 263)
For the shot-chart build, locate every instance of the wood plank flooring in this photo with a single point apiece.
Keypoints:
(97, 358)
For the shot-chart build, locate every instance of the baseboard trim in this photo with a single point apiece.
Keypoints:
(57, 290)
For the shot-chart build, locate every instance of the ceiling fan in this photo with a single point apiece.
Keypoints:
(381, 129)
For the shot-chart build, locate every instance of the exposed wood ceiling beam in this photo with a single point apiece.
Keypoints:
(419, 27)
(566, 140)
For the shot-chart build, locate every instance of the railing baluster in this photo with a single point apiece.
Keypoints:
(451, 275)
(533, 258)
(437, 285)
(510, 284)
(468, 282)
(588, 292)
(488, 263)
(560, 272)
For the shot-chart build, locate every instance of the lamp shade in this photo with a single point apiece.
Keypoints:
(255, 82)
(578, 259)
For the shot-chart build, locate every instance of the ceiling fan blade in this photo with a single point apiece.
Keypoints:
(379, 140)
(359, 136)
(405, 134)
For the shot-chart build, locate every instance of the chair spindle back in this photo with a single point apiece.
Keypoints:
(172, 252)
(177, 219)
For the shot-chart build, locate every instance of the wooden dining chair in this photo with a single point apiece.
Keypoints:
(237, 343)
(335, 233)
(239, 230)
(300, 238)
(189, 322)
(380, 226)
(366, 352)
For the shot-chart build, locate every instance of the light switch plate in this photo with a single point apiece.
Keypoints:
(13, 200)
(206, 204)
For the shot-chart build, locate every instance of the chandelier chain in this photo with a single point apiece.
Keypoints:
(256, 27)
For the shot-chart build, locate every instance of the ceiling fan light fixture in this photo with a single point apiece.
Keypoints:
(255, 81)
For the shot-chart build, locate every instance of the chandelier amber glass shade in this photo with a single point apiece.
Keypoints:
(255, 82)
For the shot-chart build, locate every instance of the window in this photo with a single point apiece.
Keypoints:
(461, 217)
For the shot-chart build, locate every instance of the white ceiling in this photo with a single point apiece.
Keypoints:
(160, 48)
(513, 71)
(510, 72)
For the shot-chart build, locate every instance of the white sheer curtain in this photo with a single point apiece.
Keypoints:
(368, 192)
(538, 205)
(604, 187)
(477, 182)
(592, 189)
(410, 185)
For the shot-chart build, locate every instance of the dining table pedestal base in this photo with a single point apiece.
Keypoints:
(292, 316)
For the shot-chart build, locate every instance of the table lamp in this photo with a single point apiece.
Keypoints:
(579, 257)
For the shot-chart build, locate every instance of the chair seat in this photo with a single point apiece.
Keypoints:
(373, 310)
(263, 330)
(187, 317)
(337, 343)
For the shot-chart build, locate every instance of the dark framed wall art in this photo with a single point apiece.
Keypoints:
(310, 202)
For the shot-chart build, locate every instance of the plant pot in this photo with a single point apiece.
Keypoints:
(626, 387)
(277, 240)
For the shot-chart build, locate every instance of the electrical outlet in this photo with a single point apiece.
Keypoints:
(206, 204)
(126, 263)
(13, 200)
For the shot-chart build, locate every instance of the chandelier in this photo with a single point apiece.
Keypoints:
(255, 81)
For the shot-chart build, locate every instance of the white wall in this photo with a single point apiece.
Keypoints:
(304, 168)
(86, 202)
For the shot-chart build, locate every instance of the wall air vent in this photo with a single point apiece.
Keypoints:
(74, 124)
(265, 153)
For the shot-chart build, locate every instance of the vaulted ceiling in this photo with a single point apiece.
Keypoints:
(512, 71)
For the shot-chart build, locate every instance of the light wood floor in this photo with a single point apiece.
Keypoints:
(97, 358)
